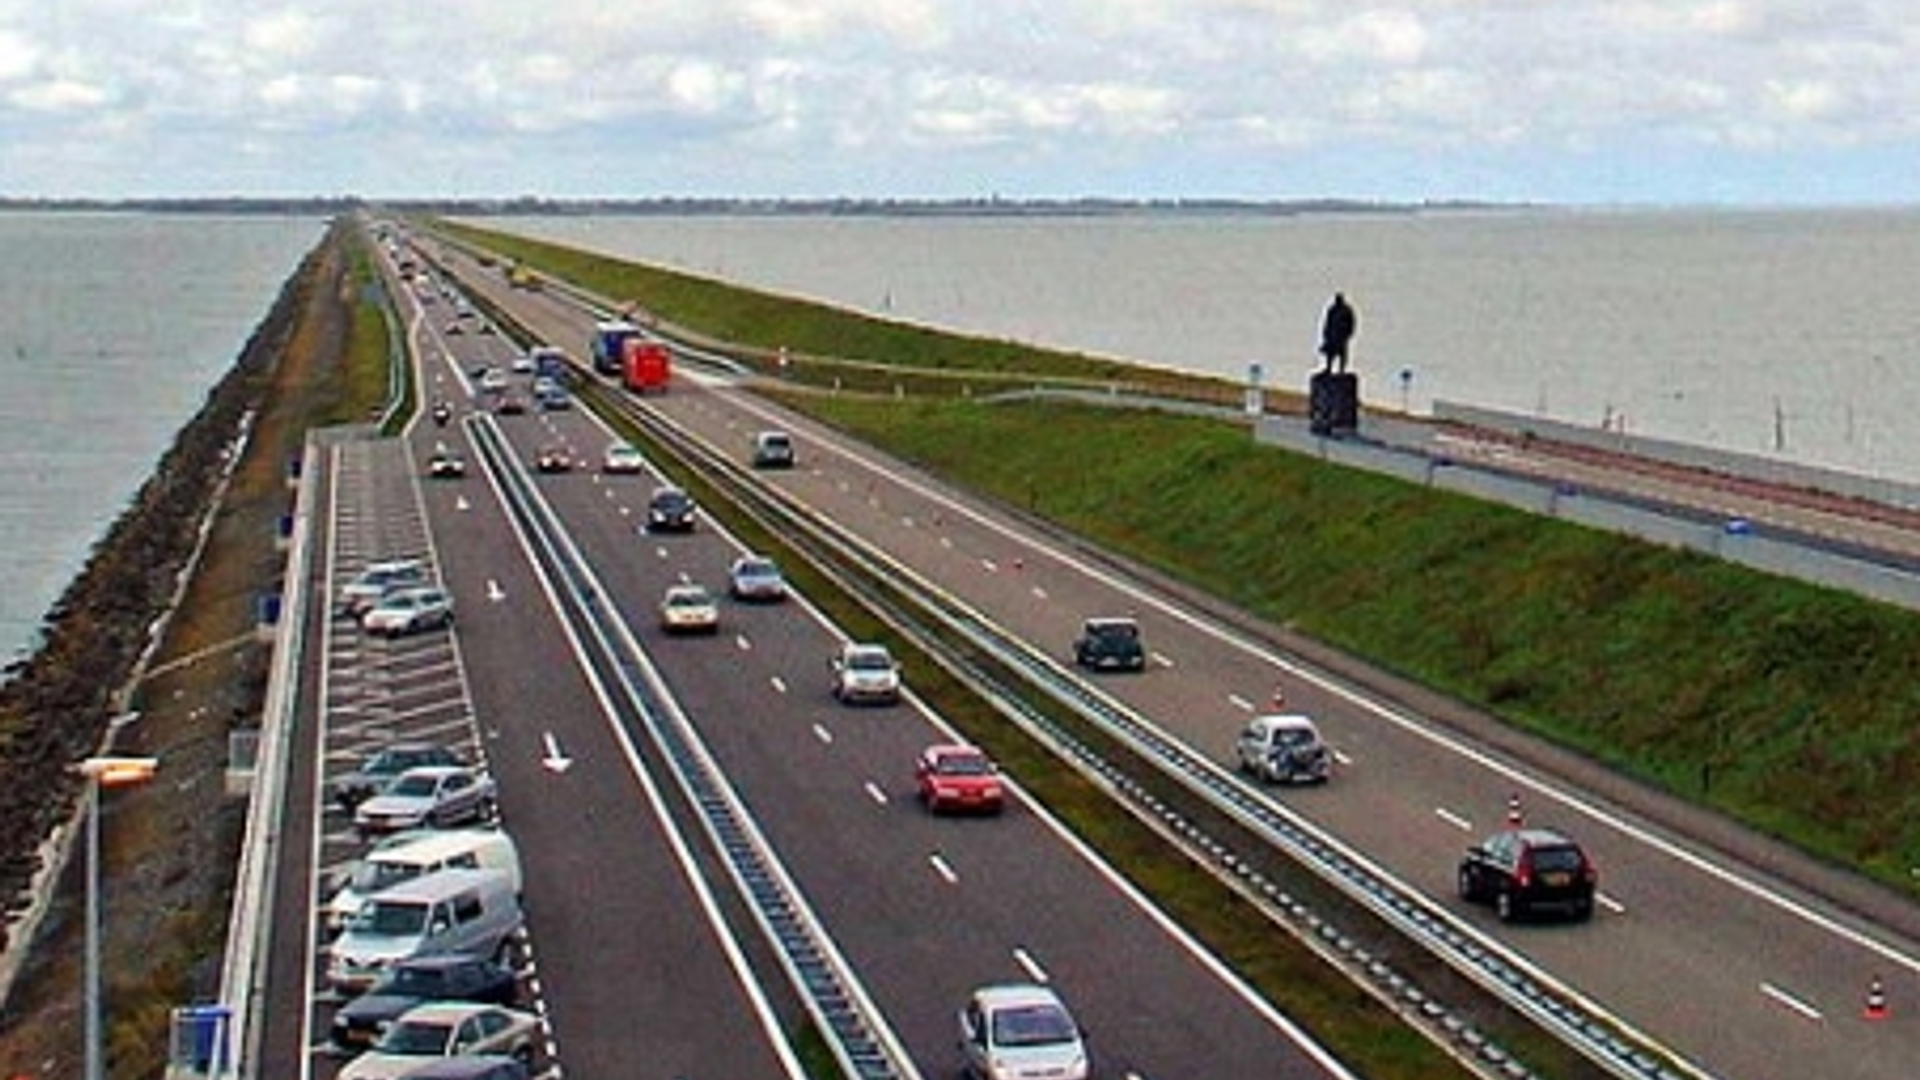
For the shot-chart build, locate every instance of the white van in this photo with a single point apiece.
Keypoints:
(448, 911)
(417, 854)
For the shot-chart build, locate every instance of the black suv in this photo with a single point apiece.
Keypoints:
(1521, 871)
(670, 510)
(1110, 644)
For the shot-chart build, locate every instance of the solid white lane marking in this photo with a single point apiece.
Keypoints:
(1782, 997)
(1462, 823)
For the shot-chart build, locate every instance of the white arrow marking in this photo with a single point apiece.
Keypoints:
(556, 760)
(460, 503)
(494, 592)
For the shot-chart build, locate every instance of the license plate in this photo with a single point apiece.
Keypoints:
(1556, 881)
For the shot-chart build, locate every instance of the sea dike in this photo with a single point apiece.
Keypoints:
(57, 704)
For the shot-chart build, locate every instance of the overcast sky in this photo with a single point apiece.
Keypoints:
(1740, 102)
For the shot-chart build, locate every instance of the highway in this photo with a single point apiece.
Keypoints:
(1729, 951)
(640, 956)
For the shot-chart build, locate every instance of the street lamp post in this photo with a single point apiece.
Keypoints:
(101, 772)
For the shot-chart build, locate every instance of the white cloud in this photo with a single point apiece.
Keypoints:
(851, 93)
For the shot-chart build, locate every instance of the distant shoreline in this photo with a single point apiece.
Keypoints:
(871, 207)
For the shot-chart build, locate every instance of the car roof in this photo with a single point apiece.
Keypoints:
(864, 648)
(436, 885)
(1015, 995)
(449, 1010)
(436, 770)
(1285, 720)
(947, 749)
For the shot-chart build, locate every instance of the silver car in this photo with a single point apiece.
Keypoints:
(431, 796)
(1021, 1031)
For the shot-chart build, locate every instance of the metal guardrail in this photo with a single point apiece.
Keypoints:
(850, 1023)
(910, 604)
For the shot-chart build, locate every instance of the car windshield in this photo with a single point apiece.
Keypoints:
(688, 598)
(962, 765)
(869, 661)
(1556, 858)
(376, 874)
(424, 982)
(1032, 1025)
(391, 919)
(756, 570)
(415, 1037)
(414, 786)
(1117, 633)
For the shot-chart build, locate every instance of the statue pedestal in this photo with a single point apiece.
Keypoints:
(1333, 403)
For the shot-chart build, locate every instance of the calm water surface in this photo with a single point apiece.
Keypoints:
(1793, 334)
(113, 328)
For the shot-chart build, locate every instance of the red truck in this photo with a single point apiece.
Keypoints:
(645, 366)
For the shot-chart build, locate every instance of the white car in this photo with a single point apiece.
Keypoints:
(689, 609)
(494, 381)
(865, 673)
(1283, 747)
(428, 797)
(408, 611)
(441, 1029)
(377, 580)
(756, 578)
(622, 458)
(1021, 1030)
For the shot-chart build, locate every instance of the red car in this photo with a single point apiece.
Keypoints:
(954, 777)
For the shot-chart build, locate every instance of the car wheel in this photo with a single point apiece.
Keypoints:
(1505, 906)
(1583, 911)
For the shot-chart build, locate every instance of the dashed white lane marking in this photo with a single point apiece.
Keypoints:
(1462, 823)
(1783, 998)
(941, 867)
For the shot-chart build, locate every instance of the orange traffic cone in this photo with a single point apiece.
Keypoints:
(1514, 816)
(1876, 1000)
(1279, 699)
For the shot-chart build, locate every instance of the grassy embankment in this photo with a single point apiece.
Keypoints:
(1786, 706)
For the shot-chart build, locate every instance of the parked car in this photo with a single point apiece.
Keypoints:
(409, 611)
(429, 796)
(689, 609)
(622, 458)
(554, 458)
(378, 769)
(772, 450)
(865, 673)
(472, 1067)
(378, 579)
(1020, 1031)
(448, 912)
(670, 509)
(443, 1029)
(756, 578)
(454, 977)
(1522, 871)
(956, 777)
(411, 853)
(446, 463)
(1110, 644)
(1283, 747)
